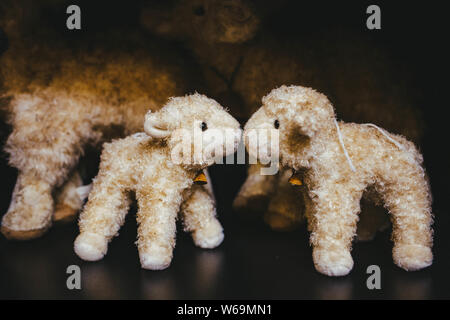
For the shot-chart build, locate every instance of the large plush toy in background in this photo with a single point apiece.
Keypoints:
(63, 93)
(244, 52)
(144, 164)
(338, 162)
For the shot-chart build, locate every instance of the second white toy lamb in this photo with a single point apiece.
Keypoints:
(338, 163)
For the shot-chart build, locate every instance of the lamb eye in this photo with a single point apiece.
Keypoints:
(199, 11)
(204, 126)
(276, 124)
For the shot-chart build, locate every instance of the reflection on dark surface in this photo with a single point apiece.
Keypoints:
(158, 286)
(99, 282)
(208, 272)
(200, 274)
(335, 289)
(412, 287)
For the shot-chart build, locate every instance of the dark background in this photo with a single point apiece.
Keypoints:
(253, 261)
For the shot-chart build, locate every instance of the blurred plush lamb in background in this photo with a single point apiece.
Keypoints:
(63, 93)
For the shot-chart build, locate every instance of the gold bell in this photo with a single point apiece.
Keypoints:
(200, 178)
(295, 180)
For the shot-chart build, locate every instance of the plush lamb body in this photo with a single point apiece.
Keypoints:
(147, 165)
(337, 163)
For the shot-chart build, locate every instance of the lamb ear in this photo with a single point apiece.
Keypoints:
(155, 128)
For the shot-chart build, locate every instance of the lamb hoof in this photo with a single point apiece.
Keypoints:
(64, 214)
(155, 258)
(278, 222)
(29, 215)
(333, 263)
(209, 238)
(22, 235)
(90, 246)
(412, 257)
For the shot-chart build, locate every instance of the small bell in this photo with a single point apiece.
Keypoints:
(200, 178)
(295, 180)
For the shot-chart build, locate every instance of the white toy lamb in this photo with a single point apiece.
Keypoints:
(158, 167)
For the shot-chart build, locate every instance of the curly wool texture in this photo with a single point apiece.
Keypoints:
(309, 143)
(62, 100)
(144, 165)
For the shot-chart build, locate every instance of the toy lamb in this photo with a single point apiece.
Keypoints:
(157, 166)
(337, 163)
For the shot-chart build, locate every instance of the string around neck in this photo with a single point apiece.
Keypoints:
(341, 141)
(384, 133)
